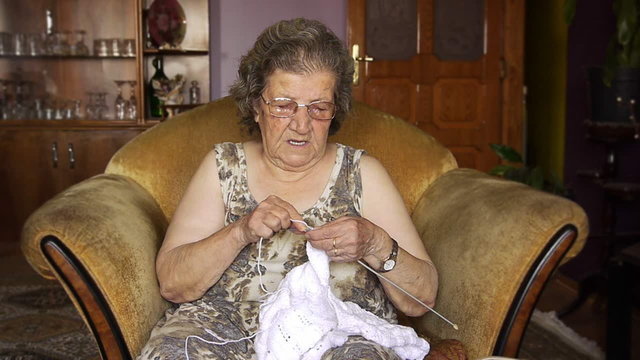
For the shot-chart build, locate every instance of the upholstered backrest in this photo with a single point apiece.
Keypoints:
(165, 157)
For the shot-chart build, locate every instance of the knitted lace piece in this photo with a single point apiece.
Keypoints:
(303, 319)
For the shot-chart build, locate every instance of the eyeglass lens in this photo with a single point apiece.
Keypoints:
(321, 110)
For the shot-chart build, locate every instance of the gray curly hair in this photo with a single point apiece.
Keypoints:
(299, 46)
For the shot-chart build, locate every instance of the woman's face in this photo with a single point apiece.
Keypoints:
(298, 142)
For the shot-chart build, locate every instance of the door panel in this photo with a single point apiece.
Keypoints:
(35, 165)
(456, 94)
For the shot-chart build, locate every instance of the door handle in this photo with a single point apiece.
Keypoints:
(355, 54)
(54, 154)
(72, 156)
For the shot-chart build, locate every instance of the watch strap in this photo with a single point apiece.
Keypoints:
(391, 259)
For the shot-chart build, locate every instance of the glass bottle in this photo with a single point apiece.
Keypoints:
(194, 93)
(155, 104)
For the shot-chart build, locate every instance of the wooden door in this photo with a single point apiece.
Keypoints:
(453, 68)
(87, 152)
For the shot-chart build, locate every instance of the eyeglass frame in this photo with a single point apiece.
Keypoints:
(335, 107)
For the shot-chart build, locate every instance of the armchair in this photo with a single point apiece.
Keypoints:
(494, 242)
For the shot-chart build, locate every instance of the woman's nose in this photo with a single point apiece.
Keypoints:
(301, 121)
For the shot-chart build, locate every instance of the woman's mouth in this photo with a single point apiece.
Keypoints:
(297, 143)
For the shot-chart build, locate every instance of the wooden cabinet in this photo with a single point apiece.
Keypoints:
(37, 164)
(62, 65)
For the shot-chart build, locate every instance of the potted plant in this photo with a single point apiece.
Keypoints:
(514, 169)
(614, 88)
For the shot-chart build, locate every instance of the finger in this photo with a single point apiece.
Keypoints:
(290, 212)
(335, 229)
(325, 245)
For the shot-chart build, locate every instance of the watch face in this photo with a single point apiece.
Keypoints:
(389, 265)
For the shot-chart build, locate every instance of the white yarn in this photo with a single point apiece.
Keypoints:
(303, 318)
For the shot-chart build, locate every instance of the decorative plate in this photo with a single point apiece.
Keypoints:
(167, 23)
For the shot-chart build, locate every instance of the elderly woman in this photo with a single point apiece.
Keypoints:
(294, 88)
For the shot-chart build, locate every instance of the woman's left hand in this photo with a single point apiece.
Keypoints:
(347, 238)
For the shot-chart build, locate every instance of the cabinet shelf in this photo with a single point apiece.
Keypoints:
(150, 51)
(77, 123)
(613, 132)
(66, 57)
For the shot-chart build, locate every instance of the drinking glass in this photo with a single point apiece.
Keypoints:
(34, 44)
(19, 44)
(101, 105)
(79, 48)
(100, 47)
(77, 109)
(129, 47)
(91, 109)
(6, 47)
(114, 47)
(120, 104)
(132, 106)
(61, 46)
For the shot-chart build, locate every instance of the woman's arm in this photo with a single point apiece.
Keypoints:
(198, 248)
(383, 205)
(370, 238)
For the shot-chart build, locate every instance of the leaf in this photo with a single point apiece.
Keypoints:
(499, 170)
(506, 153)
(624, 32)
(569, 10)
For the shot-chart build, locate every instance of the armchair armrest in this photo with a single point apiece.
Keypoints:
(495, 243)
(100, 238)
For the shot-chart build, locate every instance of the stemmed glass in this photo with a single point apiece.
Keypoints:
(91, 109)
(102, 105)
(79, 48)
(132, 107)
(120, 104)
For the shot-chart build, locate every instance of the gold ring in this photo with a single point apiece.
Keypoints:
(334, 243)
(335, 252)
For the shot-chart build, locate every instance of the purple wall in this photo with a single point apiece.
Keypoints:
(589, 36)
(235, 24)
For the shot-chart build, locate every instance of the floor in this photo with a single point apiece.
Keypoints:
(588, 321)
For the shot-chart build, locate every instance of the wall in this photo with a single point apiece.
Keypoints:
(589, 36)
(235, 24)
(545, 78)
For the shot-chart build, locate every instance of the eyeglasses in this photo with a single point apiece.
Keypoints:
(284, 108)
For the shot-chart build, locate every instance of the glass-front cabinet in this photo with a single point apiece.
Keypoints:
(76, 85)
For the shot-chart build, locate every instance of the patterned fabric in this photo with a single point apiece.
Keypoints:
(230, 308)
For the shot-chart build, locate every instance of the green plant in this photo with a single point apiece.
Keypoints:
(624, 47)
(532, 176)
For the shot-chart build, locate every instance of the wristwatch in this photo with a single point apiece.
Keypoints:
(390, 262)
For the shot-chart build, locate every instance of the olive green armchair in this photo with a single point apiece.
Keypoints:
(494, 242)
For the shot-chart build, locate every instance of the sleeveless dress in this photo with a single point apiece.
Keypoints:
(230, 308)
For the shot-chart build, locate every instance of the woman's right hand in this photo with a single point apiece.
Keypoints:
(270, 216)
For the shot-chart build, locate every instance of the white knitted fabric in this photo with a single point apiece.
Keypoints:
(303, 319)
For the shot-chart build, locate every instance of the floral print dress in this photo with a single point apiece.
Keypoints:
(229, 309)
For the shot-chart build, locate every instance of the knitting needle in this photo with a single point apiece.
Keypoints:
(408, 294)
(392, 283)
